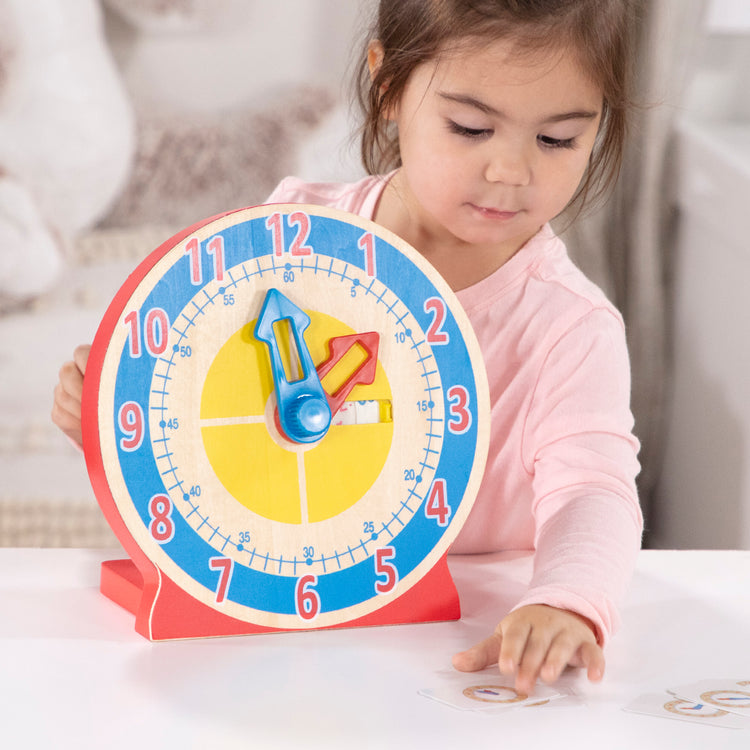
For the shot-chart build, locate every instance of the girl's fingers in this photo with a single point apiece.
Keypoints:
(480, 656)
(536, 642)
(71, 380)
(592, 658)
(66, 414)
(560, 654)
(533, 658)
(515, 634)
(81, 357)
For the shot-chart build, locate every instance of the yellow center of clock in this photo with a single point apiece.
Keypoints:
(281, 481)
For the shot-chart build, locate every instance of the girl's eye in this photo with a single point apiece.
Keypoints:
(468, 132)
(548, 142)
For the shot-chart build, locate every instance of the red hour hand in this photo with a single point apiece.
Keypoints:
(363, 374)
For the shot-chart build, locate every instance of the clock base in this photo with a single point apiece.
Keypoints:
(163, 611)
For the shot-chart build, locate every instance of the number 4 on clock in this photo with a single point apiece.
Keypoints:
(436, 504)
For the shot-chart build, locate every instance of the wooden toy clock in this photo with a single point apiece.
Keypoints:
(285, 421)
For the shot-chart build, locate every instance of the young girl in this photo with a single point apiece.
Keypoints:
(485, 119)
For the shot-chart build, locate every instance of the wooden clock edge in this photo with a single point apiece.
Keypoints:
(120, 584)
(178, 616)
(432, 598)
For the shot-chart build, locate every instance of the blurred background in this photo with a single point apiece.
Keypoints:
(123, 121)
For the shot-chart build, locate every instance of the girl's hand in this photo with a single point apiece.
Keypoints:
(537, 641)
(66, 410)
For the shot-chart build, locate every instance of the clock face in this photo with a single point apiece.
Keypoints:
(291, 415)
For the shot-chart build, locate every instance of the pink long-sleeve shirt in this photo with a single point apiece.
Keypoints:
(560, 476)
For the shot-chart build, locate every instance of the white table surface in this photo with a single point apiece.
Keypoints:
(75, 674)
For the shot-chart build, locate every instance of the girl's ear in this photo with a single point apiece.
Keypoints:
(374, 57)
(375, 53)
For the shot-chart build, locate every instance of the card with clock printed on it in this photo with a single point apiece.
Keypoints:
(668, 706)
(489, 692)
(727, 694)
(715, 702)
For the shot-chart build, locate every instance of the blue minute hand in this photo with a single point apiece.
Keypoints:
(304, 414)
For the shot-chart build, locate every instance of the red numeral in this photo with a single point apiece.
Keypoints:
(215, 247)
(302, 220)
(130, 420)
(435, 333)
(306, 597)
(225, 565)
(275, 223)
(157, 332)
(193, 248)
(134, 334)
(436, 505)
(161, 527)
(367, 243)
(275, 226)
(460, 420)
(385, 568)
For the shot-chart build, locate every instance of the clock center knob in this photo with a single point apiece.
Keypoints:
(308, 418)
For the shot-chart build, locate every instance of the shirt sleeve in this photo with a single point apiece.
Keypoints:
(579, 447)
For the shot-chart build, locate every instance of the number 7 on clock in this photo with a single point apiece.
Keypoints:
(225, 565)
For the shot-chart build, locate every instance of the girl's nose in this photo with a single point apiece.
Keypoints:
(508, 165)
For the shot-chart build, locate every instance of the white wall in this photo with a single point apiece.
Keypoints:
(720, 89)
(728, 16)
(255, 48)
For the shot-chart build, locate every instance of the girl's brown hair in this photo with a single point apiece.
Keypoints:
(413, 32)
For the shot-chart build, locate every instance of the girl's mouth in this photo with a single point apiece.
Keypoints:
(493, 213)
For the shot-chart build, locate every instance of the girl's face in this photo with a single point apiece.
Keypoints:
(493, 144)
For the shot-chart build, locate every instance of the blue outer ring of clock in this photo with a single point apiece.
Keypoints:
(272, 588)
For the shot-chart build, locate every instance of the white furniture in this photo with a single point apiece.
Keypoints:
(76, 675)
(704, 497)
